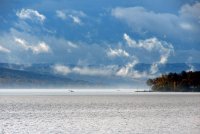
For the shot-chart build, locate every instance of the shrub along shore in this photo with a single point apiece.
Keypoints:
(174, 82)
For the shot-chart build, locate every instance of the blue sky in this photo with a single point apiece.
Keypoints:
(102, 32)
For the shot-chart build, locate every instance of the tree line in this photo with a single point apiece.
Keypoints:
(174, 82)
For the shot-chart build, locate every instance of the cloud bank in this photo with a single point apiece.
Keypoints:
(91, 71)
(141, 20)
(151, 45)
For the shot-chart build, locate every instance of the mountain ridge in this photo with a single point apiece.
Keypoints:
(44, 76)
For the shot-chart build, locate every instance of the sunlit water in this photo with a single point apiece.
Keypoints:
(123, 113)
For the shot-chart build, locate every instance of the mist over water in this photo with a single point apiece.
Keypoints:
(68, 91)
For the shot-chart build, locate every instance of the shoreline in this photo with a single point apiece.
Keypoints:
(66, 92)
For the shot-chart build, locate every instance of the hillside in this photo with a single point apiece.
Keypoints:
(10, 78)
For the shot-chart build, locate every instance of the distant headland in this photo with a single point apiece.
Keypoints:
(174, 82)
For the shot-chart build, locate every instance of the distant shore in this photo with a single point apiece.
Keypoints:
(80, 92)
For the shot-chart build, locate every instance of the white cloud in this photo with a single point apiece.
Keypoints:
(164, 56)
(74, 15)
(141, 20)
(191, 68)
(190, 11)
(71, 44)
(60, 49)
(90, 71)
(125, 71)
(128, 71)
(152, 45)
(3, 49)
(111, 70)
(186, 26)
(136, 74)
(117, 53)
(41, 47)
(93, 54)
(61, 69)
(22, 43)
(62, 46)
(61, 14)
(168, 24)
(75, 19)
(154, 68)
(31, 14)
(130, 42)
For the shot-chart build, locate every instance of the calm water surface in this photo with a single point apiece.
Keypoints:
(132, 113)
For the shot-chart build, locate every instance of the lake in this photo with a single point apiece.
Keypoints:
(105, 112)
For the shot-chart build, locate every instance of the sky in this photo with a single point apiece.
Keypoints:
(106, 33)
